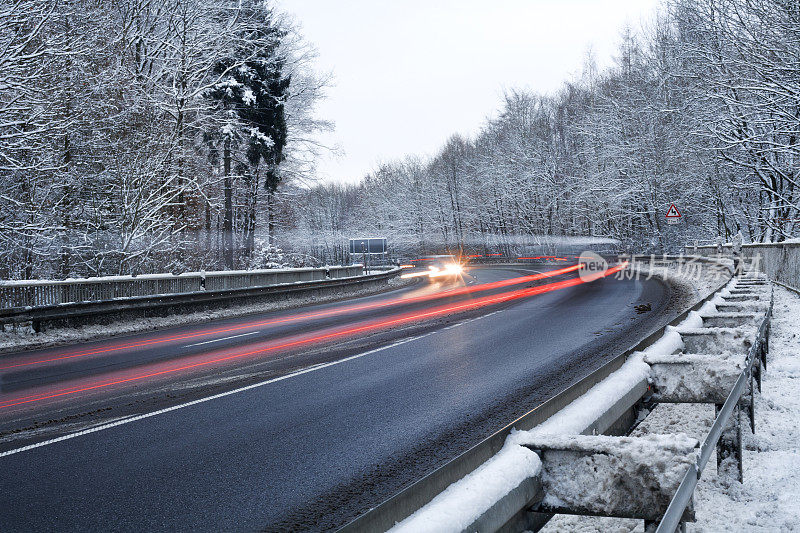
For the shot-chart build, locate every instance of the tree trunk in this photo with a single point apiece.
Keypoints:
(252, 216)
(209, 244)
(227, 225)
(271, 216)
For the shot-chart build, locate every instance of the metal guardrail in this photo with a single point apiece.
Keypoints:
(416, 495)
(672, 517)
(35, 293)
(79, 312)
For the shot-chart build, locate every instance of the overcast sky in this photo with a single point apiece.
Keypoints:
(409, 73)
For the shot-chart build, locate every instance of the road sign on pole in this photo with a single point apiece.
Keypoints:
(367, 247)
(673, 215)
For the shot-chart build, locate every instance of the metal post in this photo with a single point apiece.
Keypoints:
(729, 445)
(650, 526)
(752, 410)
(757, 372)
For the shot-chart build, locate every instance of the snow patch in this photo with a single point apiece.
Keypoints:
(607, 470)
(464, 501)
(693, 320)
(580, 414)
(670, 342)
(695, 377)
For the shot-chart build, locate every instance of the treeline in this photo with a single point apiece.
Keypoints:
(702, 109)
(147, 135)
(153, 135)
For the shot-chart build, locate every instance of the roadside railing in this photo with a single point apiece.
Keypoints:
(71, 303)
(780, 261)
(683, 496)
(35, 293)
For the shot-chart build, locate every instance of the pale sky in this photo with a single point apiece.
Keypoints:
(410, 73)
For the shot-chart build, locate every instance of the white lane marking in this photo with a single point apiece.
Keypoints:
(209, 398)
(306, 370)
(487, 315)
(222, 339)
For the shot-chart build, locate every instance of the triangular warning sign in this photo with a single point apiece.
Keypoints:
(673, 212)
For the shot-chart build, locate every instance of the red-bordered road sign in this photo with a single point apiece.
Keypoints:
(673, 212)
(673, 215)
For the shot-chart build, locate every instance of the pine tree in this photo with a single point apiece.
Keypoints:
(254, 88)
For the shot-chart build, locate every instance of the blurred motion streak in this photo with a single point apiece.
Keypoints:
(338, 311)
(317, 337)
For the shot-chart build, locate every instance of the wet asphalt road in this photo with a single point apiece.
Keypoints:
(312, 450)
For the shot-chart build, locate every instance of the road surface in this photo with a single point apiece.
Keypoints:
(298, 419)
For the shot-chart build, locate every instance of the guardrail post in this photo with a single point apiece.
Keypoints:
(729, 445)
(751, 410)
(757, 372)
(651, 525)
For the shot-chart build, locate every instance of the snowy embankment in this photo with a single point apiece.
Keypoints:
(24, 338)
(767, 500)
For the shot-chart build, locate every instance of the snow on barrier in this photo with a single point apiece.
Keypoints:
(726, 431)
(779, 261)
(556, 460)
(612, 476)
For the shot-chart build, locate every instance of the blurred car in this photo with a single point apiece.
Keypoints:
(436, 267)
(446, 265)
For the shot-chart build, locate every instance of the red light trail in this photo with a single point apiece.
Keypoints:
(302, 316)
(306, 339)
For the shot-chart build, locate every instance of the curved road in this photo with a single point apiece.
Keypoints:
(319, 414)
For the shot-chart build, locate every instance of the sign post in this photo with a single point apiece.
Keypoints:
(367, 247)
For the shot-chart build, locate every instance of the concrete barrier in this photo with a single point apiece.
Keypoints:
(780, 261)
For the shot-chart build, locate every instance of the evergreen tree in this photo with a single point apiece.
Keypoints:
(254, 88)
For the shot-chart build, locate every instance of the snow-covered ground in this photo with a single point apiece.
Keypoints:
(697, 278)
(769, 498)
